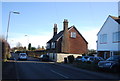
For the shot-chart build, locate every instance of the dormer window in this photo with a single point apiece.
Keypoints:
(53, 45)
(73, 34)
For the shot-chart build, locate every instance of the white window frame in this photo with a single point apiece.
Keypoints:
(103, 38)
(53, 45)
(73, 35)
(116, 36)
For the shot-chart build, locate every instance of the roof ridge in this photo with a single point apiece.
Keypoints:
(114, 17)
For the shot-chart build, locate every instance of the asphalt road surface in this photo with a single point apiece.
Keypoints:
(49, 71)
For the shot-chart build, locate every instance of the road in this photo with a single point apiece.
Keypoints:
(34, 69)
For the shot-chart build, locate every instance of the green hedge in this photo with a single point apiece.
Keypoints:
(87, 65)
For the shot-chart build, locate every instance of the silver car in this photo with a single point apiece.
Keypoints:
(82, 58)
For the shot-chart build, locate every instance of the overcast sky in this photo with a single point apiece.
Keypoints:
(36, 20)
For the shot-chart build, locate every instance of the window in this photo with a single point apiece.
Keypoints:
(116, 36)
(48, 45)
(73, 34)
(53, 45)
(103, 38)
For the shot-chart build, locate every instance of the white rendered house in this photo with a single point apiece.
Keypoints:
(108, 41)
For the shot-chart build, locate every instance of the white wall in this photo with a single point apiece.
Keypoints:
(108, 28)
(59, 57)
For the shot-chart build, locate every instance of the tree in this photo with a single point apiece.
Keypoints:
(33, 48)
(38, 47)
(43, 48)
(19, 45)
(29, 46)
(92, 51)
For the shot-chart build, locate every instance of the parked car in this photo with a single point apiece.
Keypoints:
(111, 64)
(22, 56)
(82, 58)
(44, 57)
(93, 59)
(78, 58)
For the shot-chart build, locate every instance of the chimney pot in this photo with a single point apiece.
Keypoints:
(65, 25)
(65, 20)
(55, 25)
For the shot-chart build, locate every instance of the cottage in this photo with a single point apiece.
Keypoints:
(108, 43)
(66, 42)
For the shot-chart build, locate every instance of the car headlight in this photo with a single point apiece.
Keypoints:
(108, 64)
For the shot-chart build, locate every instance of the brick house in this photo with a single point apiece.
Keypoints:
(67, 41)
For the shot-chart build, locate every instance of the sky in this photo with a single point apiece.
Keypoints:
(35, 22)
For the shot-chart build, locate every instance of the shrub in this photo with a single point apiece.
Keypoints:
(88, 62)
(71, 59)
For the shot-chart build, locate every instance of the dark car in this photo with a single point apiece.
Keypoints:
(93, 59)
(111, 64)
(44, 57)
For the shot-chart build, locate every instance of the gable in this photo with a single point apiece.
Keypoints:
(78, 33)
(109, 24)
(60, 34)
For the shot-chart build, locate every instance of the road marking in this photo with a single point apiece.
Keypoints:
(59, 74)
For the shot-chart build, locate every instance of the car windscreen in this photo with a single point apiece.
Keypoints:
(113, 58)
(85, 57)
(22, 54)
(100, 58)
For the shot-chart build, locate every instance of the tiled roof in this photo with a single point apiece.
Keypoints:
(117, 19)
(56, 36)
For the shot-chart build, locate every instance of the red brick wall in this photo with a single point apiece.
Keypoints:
(77, 45)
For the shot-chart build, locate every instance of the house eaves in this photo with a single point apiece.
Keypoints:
(106, 21)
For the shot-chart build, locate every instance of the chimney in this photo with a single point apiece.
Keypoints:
(55, 30)
(65, 41)
(65, 25)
